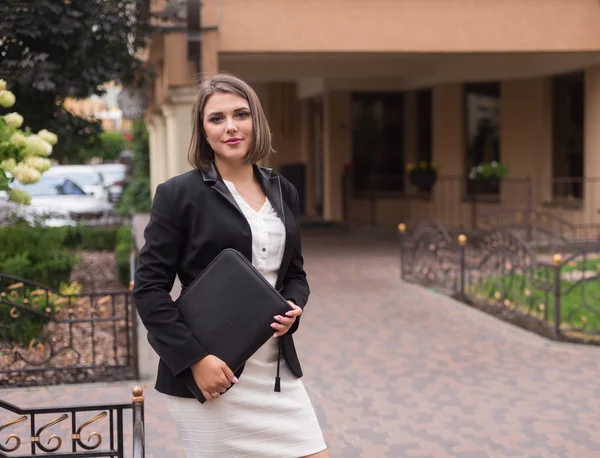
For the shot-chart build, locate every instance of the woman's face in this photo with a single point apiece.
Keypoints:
(227, 122)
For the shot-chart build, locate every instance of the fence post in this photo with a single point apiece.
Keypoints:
(529, 210)
(473, 196)
(401, 231)
(138, 423)
(462, 243)
(556, 261)
(132, 253)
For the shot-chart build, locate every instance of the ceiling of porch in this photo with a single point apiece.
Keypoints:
(362, 71)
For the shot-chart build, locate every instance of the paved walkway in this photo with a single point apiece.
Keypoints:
(395, 370)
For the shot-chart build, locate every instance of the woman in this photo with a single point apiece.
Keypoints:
(227, 201)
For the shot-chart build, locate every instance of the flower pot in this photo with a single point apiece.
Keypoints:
(422, 182)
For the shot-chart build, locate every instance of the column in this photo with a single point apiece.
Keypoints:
(410, 132)
(525, 140)
(158, 151)
(591, 160)
(178, 119)
(448, 136)
(448, 153)
(210, 43)
(336, 152)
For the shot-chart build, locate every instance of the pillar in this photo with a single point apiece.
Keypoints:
(178, 120)
(337, 152)
(410, 132)
(591, 159)
(158, 151)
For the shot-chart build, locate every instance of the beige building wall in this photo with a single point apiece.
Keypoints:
(258, 26)
(389, 26)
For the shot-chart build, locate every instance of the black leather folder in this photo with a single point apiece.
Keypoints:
(229, 308)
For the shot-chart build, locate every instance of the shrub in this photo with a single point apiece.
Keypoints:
(136, 197)
(23, 155)
(122, 254)
(39, 306)
(91, 238)
(38, 254)
(112, 143)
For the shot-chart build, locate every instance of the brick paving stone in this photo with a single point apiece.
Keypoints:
(397, 370)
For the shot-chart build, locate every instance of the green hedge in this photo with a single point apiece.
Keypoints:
(122, 253)
(47, 255)
(38, 254)
(91, 238)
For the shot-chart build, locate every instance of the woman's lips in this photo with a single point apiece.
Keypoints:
(234, 141)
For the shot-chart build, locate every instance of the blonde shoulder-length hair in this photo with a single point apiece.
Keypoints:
(200, 154)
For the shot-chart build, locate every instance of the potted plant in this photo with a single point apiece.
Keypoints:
(423, 175)
(489, 172)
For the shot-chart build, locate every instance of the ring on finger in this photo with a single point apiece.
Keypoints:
(215, 394)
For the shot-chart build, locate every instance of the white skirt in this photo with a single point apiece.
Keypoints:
(251, 419)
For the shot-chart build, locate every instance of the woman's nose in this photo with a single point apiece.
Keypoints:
(230, 126)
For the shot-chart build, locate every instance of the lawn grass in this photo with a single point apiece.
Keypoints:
(532, 292)
(592, 265)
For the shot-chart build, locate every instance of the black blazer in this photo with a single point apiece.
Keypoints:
(194, 217)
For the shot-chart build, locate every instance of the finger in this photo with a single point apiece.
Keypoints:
(206, 395)
(229, 374)
(225, 383)
(280, 327)
(297, 311)
(288, 321)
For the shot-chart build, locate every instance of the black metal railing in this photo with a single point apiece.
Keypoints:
(47, 337)
(541, 229)
(29, 434)
(496, 270)
(465, 208)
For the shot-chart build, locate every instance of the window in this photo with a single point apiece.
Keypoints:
(424, 110)
(378, 141)
(482, 130)
(567, 135)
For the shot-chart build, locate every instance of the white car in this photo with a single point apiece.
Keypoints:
(114, 176)
(88, 178)
(56, 201)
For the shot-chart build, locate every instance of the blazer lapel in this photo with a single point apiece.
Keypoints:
(212, 175)
(271, 186)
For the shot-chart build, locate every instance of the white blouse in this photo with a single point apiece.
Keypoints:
(268, 235)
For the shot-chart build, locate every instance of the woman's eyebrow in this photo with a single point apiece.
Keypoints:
(235, 111)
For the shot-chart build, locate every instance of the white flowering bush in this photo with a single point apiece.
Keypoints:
(23, 154)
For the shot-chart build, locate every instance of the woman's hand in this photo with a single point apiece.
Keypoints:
(284, 323)
(212, 376)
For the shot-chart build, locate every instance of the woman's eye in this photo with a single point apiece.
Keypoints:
(215, 119)
(243, 114)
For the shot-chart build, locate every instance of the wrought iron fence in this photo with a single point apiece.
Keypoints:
(47, 337)
(541, 229)
(31, 424)
(497, 271)
(513, 204)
